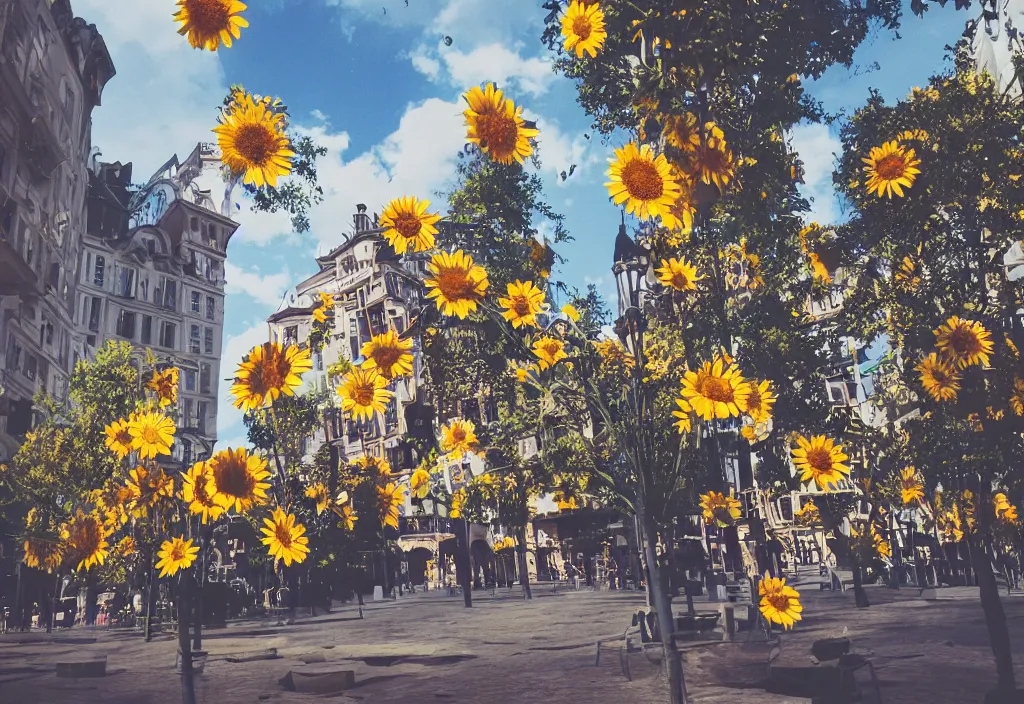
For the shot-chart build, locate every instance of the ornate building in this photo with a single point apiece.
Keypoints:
(53, 67)
(152, 273)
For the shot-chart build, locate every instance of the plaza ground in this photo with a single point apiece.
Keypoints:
(429, 648)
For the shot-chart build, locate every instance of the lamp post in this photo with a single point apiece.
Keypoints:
(631, 266)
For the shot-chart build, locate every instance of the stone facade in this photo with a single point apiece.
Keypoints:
(53, 67)
(152, 273)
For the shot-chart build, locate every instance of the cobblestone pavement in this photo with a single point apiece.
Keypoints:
(429, 648)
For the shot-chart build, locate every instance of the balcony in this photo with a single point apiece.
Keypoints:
(426, 525)
(44, 151)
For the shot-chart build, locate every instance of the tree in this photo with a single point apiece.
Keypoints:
(933, 220)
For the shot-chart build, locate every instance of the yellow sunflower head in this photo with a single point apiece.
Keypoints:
(253, 142)
(363, 393)
(406, 222)
(43, 553)
(390, 355)
(419, 483)
(148, 489)
(390, 499)
(939, 377)
(497, 126)
(549, 351)
(759, 401)
(176, 554)
(911, 486)
(645, 183)
(458, 438)
(889, 168)
(964, 342)
(1017, 397)
(571, 313)
(720, 509)
(523, 304)
(321, 495)
(820, 459)
(456, 283)
(85, 540)
(267, 372)
(378, 466)
(683, 415)
(780, 603)
(152, 434)
(681, 131)
(712, 160)
(198, 491)
(119, 440)
(716, 390)
(164, 385)
(678, 274)
(210, 23)
(239, 479)
(583, 28)
(284, 538)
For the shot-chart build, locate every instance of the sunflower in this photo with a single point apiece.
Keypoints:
(238, 479)
(720, 509)
(458, 503)
(549, 351)
(363, 393)
(809, 514)
(126, 547)
(712, 161)
(41, 553)
(199, 492)
(152, 434)
(456, 283)
(583, 28)
(346, 514)
(321, 495)
(939, 378)
(684, 414)
(679, 218)
(523, 304)
(716, 390)
(325, 306)
(911, 486)
(497, 126)
(371, 463)
(86, 539)
(759, 401)
(388, 354)
(165, 385)
(419, 483)
(285, 538)
(208, 23)
(253, 142)
(571, 313)
(565, 502)
(681, 131)
(644, 182)
(964, 342)
(176, 554)
(780, 603)
(458, 438)
(819, 271)
(1017, 397)
(407, 222)
(148, 488)
(267, 372)
(820, 459)
(678, 274)
(1005, 511)
(890, 167)
(389, 499)
(119, 440)
(113, 501)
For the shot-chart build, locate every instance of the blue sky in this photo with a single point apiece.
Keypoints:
(381, 91)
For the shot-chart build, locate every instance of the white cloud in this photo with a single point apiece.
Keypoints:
(230, 429)
(495, 62)
(267, 289)
(559, 151)
(818, 148)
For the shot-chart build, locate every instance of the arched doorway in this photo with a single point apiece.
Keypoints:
(483, 558)
(418, 559)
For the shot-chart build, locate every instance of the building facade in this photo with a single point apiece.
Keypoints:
(53, 67)
(152, 274)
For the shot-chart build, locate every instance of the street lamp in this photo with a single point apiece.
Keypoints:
(630, 269)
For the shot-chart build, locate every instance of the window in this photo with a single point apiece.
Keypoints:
(193, 339)
(291, 335)
(208, 340)
(318, 361)
(13, 354)
(204, 378)
(189, 413)
(144, 288)
(197, 302)
(201, 416)
(211, 307)
(97, 277)
(170, 294)
(53, 282)
(126, 325)
(126, 285)
(190, 380)
(94, 313)
(147, 330)
(31, 366)
(168, 335)
(150, 247)
(186, 452)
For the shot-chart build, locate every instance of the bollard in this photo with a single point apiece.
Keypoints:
(729, 620)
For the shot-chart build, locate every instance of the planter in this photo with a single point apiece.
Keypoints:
(701, 621)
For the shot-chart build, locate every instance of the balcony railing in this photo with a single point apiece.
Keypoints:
(424, 525)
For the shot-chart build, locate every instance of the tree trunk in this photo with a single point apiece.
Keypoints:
(859, 595)
(995, 618)
(666, 624)
(524, 574)
(464, 561)
(188, 683)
